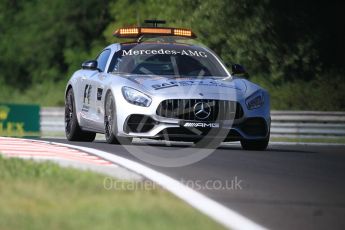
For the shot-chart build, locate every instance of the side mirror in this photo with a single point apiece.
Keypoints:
(90, 65)
(237, 69)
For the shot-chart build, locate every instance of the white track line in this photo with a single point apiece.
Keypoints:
(221, 214)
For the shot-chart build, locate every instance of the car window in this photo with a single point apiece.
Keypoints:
(102, 59)
(166, 60)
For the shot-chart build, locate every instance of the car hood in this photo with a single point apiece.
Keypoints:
(172, 85)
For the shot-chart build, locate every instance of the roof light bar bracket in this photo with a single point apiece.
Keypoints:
(155, 22)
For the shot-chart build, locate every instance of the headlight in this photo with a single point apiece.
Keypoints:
(256, 100)
(136, 97)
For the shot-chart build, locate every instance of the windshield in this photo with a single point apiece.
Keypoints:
(166, 59)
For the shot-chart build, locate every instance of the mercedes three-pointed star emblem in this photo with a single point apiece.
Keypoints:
(202, 110)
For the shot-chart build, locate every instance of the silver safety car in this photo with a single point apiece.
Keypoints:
(161, 86)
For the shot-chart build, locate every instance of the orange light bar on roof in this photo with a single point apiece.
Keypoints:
(155, 31)
(128, 31)
(136, 32)
(183, 32)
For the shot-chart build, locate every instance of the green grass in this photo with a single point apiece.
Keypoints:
(45, 94)
(45, 196)
(340, 140)
(324, 93)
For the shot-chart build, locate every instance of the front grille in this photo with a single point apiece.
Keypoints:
(184, 109)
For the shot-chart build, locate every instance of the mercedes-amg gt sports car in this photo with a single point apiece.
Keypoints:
(161, 86)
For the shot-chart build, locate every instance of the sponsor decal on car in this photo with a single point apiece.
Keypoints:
(169, 84)
(201, 125)
(191, 53)
(87, 94)
(99, 94)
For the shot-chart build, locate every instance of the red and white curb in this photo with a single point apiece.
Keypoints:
(13, 147)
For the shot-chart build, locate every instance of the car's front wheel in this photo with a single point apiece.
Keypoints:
(72, 129)
(110, 122)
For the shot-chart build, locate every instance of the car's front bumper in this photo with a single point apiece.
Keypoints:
(143, 122)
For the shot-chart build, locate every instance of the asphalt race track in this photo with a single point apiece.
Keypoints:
(285, 187)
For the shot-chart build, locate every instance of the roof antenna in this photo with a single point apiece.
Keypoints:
(155, 22)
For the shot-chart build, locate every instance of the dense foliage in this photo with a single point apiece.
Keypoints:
(296, 49)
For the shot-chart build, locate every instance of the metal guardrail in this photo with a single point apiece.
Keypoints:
(52, 119)
(299, 124)
(308, 124)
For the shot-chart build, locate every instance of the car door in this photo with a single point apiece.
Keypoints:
(94, 92)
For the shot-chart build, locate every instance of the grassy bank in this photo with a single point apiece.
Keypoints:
(46, 196)
(45, 94)
(340, 140)
(326, 93)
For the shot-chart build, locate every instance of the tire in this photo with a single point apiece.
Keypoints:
(110, 122)
(72, 129)
(256, 145)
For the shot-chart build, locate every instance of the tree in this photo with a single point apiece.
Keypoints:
(37, 43)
